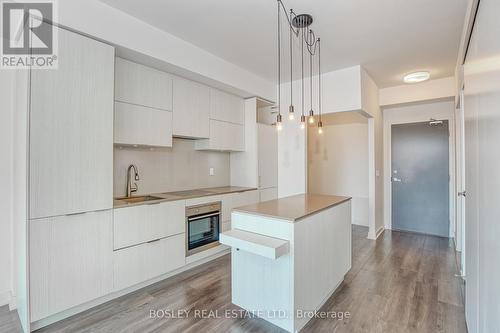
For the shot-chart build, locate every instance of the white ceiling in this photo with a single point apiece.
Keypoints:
(389, 38)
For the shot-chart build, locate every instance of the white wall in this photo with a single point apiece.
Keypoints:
(171, 169)
(349, 89)
(425, 91)
(370, 105)
(97, 19)
(20, 284)
(424, 111)
(338, 161)
(7, 85)
(482, 165)
(341, 91)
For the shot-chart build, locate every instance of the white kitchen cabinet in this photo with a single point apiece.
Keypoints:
(139, 125)
(244, 198)
(223, 136)
(144, 223)
(141, 85)
(143, 262)
(191, 107)
(70, 261)
(226, 107)
(270, 193)
(71, 130)
(267, 139)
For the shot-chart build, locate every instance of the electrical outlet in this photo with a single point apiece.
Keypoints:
(211, 171)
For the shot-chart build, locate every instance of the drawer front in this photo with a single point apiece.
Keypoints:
(146, 261)
(130, 226)
(167, 219)
(140, 224)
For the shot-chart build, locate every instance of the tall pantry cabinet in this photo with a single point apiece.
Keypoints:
(71, 176)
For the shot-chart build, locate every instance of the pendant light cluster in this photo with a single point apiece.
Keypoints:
(310, 47)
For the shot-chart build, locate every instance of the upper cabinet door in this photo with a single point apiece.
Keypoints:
(224, 136)
(226, 107)
(141, 85)
(191, 106)
(139, 125)
(71, 130)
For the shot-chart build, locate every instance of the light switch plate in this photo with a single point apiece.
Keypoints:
(211, 171)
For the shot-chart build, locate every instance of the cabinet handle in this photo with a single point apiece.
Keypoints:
(154, 240)
(79, 213)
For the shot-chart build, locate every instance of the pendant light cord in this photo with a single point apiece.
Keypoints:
(311, 74)
(279, 59)
(302, 70)
(319, 77)
(291, 62)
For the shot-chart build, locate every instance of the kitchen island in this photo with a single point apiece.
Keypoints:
(289, 255)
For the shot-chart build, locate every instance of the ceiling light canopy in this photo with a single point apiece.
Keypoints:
(416, 77)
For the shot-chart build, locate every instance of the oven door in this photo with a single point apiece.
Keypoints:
(202, 232)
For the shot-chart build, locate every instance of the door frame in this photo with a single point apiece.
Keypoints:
(407, 118)
(460, 180)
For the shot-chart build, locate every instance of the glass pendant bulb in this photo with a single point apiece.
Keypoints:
(279, 125)
(291, 112)
(320, 127)
(291, 116)
(311, 116)
(302, 121)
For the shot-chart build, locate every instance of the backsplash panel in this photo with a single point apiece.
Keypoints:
(170, 169)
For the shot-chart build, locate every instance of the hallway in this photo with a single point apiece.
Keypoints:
(404, 282)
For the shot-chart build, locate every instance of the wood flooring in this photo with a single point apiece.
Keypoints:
(403, 282)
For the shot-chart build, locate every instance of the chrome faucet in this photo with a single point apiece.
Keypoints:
(132, 188)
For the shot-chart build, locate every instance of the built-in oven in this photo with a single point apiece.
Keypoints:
(202, 227)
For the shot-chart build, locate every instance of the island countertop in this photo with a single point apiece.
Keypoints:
(293, 208)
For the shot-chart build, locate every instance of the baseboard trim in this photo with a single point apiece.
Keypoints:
(13, 303)
(223, 250)
(5, 298)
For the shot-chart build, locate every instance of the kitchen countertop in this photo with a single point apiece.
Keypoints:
(293, 208)
(182, 195)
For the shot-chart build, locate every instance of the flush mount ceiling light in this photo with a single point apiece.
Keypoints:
(298, 26)
(416, 77)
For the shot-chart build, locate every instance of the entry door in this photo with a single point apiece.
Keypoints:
(420, 178)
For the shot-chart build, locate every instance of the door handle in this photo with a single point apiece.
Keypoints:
(462, 194)
(396, 180)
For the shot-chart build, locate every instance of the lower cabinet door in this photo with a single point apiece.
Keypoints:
(70, 261)
(143, 262)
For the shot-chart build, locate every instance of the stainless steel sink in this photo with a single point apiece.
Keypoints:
(138, 199)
